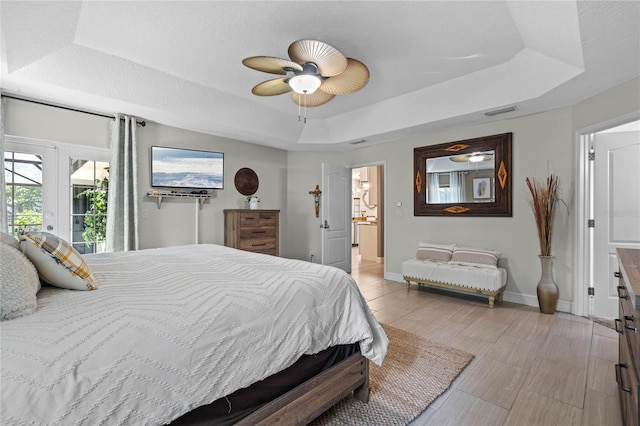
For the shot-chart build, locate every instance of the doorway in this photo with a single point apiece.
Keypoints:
(367, 211)
(608, 196)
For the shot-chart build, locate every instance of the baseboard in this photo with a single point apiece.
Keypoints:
(394, 276)
(509, 296)
(532, 300)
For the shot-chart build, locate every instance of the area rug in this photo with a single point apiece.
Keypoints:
(414, 373)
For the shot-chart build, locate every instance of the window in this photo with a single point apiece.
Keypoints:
(89, 185)
(23, 179)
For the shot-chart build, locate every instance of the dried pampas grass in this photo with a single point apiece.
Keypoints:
(544, 197)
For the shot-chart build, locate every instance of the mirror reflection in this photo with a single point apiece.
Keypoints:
(462, 178)
(470, 177)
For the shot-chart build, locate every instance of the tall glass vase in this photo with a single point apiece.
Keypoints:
(547, 288)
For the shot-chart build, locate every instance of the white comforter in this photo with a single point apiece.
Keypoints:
(172, 329)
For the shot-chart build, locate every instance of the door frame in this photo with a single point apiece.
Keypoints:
(583, 235)
(382, 163)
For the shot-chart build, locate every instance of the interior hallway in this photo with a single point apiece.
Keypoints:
(530, 368)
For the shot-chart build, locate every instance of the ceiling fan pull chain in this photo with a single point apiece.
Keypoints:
(298, 112)
(305, 106)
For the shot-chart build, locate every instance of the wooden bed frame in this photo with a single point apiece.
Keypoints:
(493, 295)
(307, 401)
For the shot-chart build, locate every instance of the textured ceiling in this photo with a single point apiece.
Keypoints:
(433, 65)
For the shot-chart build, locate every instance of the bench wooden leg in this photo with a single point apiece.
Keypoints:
(491, 301)
(408, 284)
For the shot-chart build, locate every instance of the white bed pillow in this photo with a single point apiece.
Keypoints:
(19, 283)
(475, 256)
(434, 251)
(58, 263)
(8, 239)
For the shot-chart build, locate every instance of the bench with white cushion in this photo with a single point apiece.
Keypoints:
(466, 269)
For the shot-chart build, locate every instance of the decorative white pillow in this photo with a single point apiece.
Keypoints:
(58, 263)
(474, 256)
(8, 239)
(449, 247)
(433, 251)
(19, 284)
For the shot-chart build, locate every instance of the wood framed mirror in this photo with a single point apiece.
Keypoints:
(464, 178)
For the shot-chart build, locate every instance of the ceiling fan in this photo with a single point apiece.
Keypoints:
(316, 73)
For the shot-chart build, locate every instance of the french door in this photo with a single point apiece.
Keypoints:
(57, 188)
(31, 185)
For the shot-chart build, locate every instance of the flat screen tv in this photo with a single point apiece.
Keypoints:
(180, 168)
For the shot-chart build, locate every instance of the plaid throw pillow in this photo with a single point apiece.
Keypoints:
(57, 262)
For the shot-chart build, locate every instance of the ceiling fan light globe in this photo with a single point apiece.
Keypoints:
(476, 158)
(304, 84)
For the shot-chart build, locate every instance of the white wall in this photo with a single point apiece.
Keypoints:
(542, 143)
(174, 222)
(36, 121)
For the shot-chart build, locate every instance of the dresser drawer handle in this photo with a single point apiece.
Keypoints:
(620, 288)
(258, 245)
(258, 232)
(622, 387)
(630, 327)
(616, 323)
(616, 274)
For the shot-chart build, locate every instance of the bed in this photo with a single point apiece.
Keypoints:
(172, 331)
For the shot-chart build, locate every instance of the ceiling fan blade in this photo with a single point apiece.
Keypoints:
(354, 78)
(330, 61)
(463, 158)
(277, 86)
(270, 64)
(315, 99)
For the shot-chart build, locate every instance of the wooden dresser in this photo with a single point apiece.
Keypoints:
(628, 323)
(253, 230)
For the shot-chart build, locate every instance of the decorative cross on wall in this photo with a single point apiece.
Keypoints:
(316, 198)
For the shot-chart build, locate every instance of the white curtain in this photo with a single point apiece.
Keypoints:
(433, 188)
(3, 188)
(458, 187)
(122, 207)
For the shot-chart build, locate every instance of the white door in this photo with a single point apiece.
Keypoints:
(336, 216)
(616, 212)
(32, 187)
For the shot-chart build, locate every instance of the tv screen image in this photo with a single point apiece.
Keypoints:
(186, 168)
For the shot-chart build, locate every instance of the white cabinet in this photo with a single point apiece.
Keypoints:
(368, 244)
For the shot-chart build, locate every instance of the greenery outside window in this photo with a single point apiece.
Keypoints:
(89, 189)
(23, 180)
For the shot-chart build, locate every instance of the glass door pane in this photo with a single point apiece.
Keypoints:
(89, 184)
(23, 178)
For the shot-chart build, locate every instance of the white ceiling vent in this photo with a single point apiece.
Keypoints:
(500, 111)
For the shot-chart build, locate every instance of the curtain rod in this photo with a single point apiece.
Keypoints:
(141, 123)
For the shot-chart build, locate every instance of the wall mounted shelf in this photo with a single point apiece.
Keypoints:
(200, 198)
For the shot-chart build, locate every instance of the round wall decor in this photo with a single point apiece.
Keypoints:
(246, 181)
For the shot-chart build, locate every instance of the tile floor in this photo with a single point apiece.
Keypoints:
(529, 368)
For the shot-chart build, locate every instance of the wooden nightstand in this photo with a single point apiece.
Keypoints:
(253, 230)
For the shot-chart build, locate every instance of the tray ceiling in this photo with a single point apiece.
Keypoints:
(434, 65)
